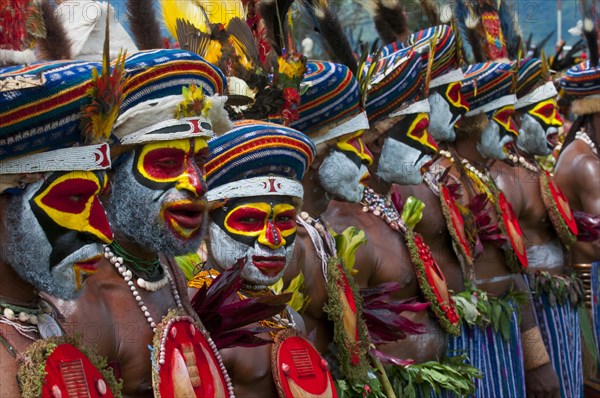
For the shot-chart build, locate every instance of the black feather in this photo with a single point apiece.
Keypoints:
(144, 24)
(590, 31)
(540, 46)
(242, 32)
(55, 45)
(192, 39)
(273, 13)
(334, 39)
(391, 19)
(510, 28)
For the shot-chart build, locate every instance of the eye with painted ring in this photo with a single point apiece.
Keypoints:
(455, 97)
(547, 112)
(504, 117)
(251, 219)
(167, 161)
(354, 143)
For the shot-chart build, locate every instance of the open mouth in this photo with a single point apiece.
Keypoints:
(552, 139)
(365, 179)
(425, 168)
(186, 215)
(85, 268)
(269, 266)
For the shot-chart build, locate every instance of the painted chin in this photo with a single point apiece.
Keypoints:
(269, 266)
(364, 180)
(85, 268)
(185, 218)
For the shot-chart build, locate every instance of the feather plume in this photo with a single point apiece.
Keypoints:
(335, 40)
(55, 45)
(540, 46)
(390, 20)
(471, 31)
(589, 30)
(243, 40)
(274, 15)
(144, 24)
(431, 10)
(227, 317)
(186, 10)
(510, 27)
(222, 11)
(107, 95)
(192, 39)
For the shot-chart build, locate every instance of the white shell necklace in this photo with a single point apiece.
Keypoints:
(128, 276)
(583, 136)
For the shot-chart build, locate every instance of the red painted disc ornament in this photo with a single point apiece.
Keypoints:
(186, 362)
(516, 258)
(432, 283)
(558, 210)
(298, 369)
(455, 224)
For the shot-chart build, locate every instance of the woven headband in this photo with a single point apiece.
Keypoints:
(257, 186)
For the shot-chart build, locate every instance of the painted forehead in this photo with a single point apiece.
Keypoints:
(274, 200)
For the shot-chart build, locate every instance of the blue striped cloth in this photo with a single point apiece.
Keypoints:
(500, 361)
(561, 332)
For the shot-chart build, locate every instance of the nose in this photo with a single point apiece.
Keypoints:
(271, 236)
(192, 180)
(367, 156)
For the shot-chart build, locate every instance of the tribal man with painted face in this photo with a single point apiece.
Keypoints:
(157, 210)
(578, 169)
(52, 223)
(402, 146)
(548, 225)
(253, 174)
(485, 134)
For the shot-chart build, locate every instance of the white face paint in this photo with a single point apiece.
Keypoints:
(225, 252)
(341, 177)
(441, 119)
(400, 163)
(491, 144)
(27, 249)
(532, 137)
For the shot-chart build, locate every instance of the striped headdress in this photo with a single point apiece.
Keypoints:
(533, 83)
(155, 81)
(258, 158)
(445, 67)
(397, 86)
(583, 83)
(40, 119)
(331, 104)
(488, 86)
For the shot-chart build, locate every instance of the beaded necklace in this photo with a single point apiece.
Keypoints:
(523, 162)
(128, 275)
(153, 272)
(583, 136)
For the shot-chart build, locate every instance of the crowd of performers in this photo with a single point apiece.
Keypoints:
(227, 218)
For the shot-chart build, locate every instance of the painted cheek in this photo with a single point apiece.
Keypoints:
(504, 117)
(99, 222)
(356, 145)
(547, 113)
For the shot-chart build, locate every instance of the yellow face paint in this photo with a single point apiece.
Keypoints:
(71, 202)
(546, 112)
(271, 225)
(179, 163)
(456, 99)
(417, 131)
(353, 143)
(504, 118)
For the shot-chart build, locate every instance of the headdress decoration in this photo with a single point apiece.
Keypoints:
(445, 63)
(331, 104)
(267, 84)
(144, 24)
(171, 94)
(397, 86)
(258, 158)
(390, 20)
(582, 81)
(533, 84)
(490, 28)
(488, 86)
(21, 25)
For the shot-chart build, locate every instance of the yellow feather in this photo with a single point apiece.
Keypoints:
(183, 9)
(222, 11)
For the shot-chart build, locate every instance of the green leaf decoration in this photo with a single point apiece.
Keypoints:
(189, 264)
(412, 212)
(347, 243)
(299, 300)
(587, 332)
